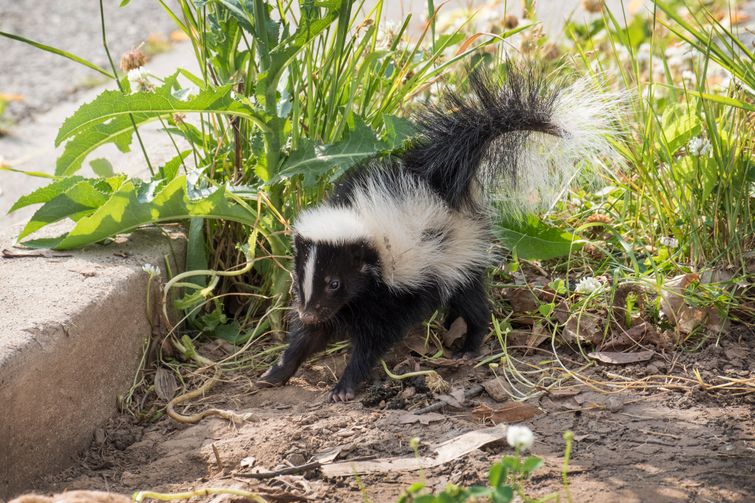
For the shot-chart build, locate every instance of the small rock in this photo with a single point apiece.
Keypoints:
(296, 458)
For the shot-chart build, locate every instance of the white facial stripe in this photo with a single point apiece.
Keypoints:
(309, 274)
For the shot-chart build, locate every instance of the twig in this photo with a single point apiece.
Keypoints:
(284, 471)
(470, 393)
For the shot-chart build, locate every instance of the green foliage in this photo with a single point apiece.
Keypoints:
(505, 479)
(533, 239)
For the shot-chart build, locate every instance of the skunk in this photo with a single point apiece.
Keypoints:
(409, 234)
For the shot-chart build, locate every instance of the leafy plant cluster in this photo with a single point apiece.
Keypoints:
(289, 96)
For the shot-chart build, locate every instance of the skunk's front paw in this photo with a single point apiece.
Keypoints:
(275, 376)
(342, 393)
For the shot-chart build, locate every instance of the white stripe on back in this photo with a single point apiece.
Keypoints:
(309, 274)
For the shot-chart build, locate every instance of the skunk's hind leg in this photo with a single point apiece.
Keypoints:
(471, 304)
(304, 341)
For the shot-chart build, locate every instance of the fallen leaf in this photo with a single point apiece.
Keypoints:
(456, 331)
(420, 344)
(452, 401)
(328, 455)
(583, 327)
(512, 412)
(538, 336)
(165, 384)
(619, 358)
(458, 394)
(430, 417)
(444, 453)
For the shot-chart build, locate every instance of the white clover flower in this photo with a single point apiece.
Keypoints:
(669, 241)
(520, 437)
(138, 78)
(588, 285)
(151, 270)
(698, 147)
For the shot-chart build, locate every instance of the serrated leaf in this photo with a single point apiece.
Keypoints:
(118, 131)
(150, 105)
(533, 239)
(397, 131)
(127, 209)
(46, 193)
(314, 161)
(77, 201)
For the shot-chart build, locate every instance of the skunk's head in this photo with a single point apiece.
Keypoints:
(328, 276)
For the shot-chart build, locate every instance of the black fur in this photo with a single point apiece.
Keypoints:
(459, 140)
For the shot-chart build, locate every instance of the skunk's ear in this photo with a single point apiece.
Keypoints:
(300, 244)
(363, 253)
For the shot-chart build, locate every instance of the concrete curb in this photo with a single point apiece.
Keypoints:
(71, 339)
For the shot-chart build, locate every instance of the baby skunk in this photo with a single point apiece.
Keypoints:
(404, 236)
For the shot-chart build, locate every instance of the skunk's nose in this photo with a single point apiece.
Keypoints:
(307, 318)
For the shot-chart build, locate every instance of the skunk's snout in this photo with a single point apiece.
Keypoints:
(308, 317)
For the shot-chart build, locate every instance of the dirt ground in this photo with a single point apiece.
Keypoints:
(661, 444)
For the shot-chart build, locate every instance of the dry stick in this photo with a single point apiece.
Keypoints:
(470, 393)
(283, 471)
(195, 418)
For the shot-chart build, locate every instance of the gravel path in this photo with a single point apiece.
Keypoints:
(73, 25)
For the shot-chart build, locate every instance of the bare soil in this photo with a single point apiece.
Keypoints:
(644, 443)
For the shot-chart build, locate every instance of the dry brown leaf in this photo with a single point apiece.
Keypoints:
(420, 344)
(456, 331)
(430, 417)
(641, 333)
(165, 384)
(538, 336)
(583, 327)
(452, 401)
(444, 453)
(511, 412)
(619, 358)
(685, 317)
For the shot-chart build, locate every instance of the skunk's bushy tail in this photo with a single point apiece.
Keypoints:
(521, 141)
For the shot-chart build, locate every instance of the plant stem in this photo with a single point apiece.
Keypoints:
(120, 87)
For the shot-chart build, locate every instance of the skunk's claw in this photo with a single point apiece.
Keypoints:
(275, 376)
(342, 394)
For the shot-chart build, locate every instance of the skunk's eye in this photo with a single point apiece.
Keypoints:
(334, 285)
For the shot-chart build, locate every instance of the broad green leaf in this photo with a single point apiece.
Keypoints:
(313, 160)
(101, 167)
(533, 239)
(79, 200)
(497, 475)
(196, 251)
(118, 131)
(531, 464)
(131, 206)
(397, 131)
(502, 494)
(150, 105)
(46, 193)
(677, 131)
